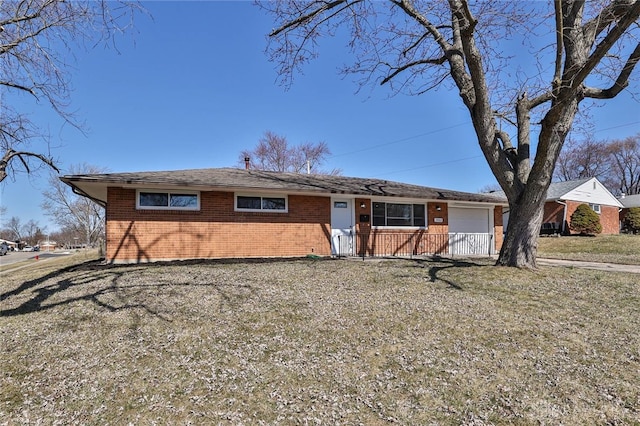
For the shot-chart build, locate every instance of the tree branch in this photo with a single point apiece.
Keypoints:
(301, 20)
(628, 19)
(438, 61)
(621, 82)
(557, 76)
(10, 155)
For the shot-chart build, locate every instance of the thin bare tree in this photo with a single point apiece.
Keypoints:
(625, 176)
(583, 159)
(581, 51)
(274, 152)
(74, 212)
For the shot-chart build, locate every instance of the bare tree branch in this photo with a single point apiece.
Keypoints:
(621, 82)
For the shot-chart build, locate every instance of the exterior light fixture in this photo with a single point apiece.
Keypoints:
(362, 205)
(438, 207)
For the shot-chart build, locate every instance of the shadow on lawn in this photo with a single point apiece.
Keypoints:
(92, 273)
(442, 265)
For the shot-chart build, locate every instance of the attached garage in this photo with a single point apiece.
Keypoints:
(469, 220)
(470, 231)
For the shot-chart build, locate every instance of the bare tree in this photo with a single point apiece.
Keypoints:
(74, 212)
(274, 153)
(32, 232)
(625, 176)
(416, 46)
(588, 158)
(36, 40)
(14, 228)
(615, 163)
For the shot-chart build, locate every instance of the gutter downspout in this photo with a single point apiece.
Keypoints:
(564, 214)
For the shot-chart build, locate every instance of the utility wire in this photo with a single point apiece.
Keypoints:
(431, 165)
(369, 148)
(444, 162)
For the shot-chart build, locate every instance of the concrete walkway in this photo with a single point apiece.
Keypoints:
(611, 267)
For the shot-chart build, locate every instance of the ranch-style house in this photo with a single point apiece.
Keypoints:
(236, 213)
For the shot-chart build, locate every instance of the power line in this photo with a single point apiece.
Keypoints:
(617, 127)
(369, 148)
(431, 165)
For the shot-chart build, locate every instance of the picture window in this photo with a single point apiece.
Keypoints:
(396, 214)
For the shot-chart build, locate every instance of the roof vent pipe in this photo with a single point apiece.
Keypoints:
(247, 162)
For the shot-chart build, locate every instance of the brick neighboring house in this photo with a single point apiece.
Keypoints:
(563, 198)
(234, 213)
(628, 201)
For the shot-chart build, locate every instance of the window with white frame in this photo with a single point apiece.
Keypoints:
(399, 214)
(168, 200)
(595, 207)
(261, 203)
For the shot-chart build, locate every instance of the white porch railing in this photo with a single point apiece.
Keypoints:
(419, 243)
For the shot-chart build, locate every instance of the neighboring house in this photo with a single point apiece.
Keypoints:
(563, 198)
(11, 244)
(233, 213)
(628, 201)
(48, 245)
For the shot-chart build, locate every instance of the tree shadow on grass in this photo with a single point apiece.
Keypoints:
(110, 280)
(437, 265)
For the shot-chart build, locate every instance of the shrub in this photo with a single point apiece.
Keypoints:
(631, 221)
(585, 221)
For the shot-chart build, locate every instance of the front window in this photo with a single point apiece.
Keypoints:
(595, 207)
(165, 200)
(261, 203)
(397, 214)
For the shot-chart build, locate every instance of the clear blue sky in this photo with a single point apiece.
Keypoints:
(194, 87)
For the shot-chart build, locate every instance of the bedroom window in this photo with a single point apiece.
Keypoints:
(261, 203)
(595, 207)
(166, 200)
(396, 214)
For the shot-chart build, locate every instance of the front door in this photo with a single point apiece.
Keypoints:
(342, 229)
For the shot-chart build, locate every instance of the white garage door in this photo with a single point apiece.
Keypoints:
(469, 232)
(468, 220)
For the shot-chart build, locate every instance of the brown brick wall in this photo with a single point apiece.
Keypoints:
(216, 230)
(498, 227)
(609, 217)
(553, 212)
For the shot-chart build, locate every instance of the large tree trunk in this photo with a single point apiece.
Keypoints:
(520, 244)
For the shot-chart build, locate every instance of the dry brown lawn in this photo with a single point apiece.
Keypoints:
(622, 248)
(319, 342)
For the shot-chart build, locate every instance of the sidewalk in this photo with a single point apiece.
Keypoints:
(611, 267)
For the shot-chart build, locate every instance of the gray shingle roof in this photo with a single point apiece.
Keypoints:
(94, 185)
(558, 189)
(630, 201)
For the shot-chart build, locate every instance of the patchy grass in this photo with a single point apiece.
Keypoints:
(320, 342)
(622, 248)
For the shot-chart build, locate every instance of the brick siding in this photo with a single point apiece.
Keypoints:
(609, 216)
(216, 230)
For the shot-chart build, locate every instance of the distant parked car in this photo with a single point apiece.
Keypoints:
(4, 248)
(27, 248)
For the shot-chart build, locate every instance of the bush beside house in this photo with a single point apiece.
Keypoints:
(631, 221)
(585, 221)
